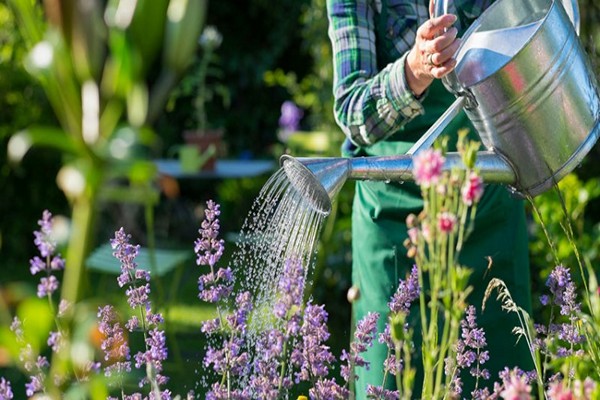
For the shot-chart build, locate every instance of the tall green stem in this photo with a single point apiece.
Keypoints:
(83, 221)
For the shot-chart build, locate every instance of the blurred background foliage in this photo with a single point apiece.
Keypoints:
(271, 52)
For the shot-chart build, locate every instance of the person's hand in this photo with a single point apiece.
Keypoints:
(432, 55)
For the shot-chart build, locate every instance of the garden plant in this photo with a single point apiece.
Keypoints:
(292, 357)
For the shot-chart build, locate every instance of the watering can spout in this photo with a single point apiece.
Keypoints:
(319, 180)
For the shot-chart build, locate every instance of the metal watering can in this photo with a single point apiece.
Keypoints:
(527, 86)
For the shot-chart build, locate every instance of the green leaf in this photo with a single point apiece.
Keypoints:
(37, 319)
(20, 143)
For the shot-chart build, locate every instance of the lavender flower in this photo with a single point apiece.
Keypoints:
(156, 352)
(469, 355)
(392, 364)
(35, 385)
(407, 292)
(43, 237)
(312, 356)
(563, 290)
(55, 341)
(138, 297)
(208, 248)
(377, 392)
(49, 262)
(363, 339)
(328, 389)
(5, 390)
(114, 344)
(219, 391)
(265, 379)
(550, 339)
(215, 285)
(290, 117)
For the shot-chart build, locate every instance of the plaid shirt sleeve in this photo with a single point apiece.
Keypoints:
(370, 104)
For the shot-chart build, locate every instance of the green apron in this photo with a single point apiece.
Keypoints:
(379, 257)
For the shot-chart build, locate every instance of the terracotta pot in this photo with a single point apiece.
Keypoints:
(204, 140)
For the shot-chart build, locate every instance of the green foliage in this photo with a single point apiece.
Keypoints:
(555, 210)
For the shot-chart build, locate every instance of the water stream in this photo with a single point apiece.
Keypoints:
(281, 226)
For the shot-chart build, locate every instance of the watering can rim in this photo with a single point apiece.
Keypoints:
(451, 81)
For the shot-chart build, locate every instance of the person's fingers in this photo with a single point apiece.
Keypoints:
(441, 42)
(436, 26)
(439, 71)
(431, 8)
(440, 57)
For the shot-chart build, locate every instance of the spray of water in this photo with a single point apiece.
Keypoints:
(281, 225)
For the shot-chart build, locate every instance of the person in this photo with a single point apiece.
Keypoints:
(388, 57)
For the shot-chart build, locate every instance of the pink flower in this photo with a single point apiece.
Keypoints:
(427, 167)
(516, 388)
(557, 391)
(413, 235)
(473, 189)
(446, 222)
(426, 232)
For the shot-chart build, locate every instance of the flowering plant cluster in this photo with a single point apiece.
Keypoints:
(291, 349)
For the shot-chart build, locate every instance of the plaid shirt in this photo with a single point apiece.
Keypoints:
(370, 44)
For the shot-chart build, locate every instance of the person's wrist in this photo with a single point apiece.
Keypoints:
(417, 83)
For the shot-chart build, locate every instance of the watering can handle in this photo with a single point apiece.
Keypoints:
(440, 7)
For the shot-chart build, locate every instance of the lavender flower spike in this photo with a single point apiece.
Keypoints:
(407, 292)
(363, 339)
(208, 248)
(5, 390)
(215, 285)
(48, 262)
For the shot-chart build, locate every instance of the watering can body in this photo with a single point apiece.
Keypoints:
(527, 86)
(530, 90)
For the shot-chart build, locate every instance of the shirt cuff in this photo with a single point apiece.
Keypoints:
(402, 98)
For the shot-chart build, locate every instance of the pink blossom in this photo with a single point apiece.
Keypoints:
(516, 388)
(413, 235)
(426, 231)
(427, 167)
(446, 222)
(557, 391)
(473, 189)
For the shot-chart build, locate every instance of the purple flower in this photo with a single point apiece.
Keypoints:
(5, 390)
(219, 391)
(55, 341)
(328, 389)
(214, 285)
(469, 354)
(34, 385)
(264, 381)
(156, 352)
(563, 289)
(230, 357)
(407, 292)
(114, 345)
(290, 117)
(363, 339)
(291, 288)
(43, 237)
(48, 262)
(377, 392)
(47, 286)
(208, 248)
(312, 356)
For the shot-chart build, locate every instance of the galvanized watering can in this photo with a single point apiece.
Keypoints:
(525, 83)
